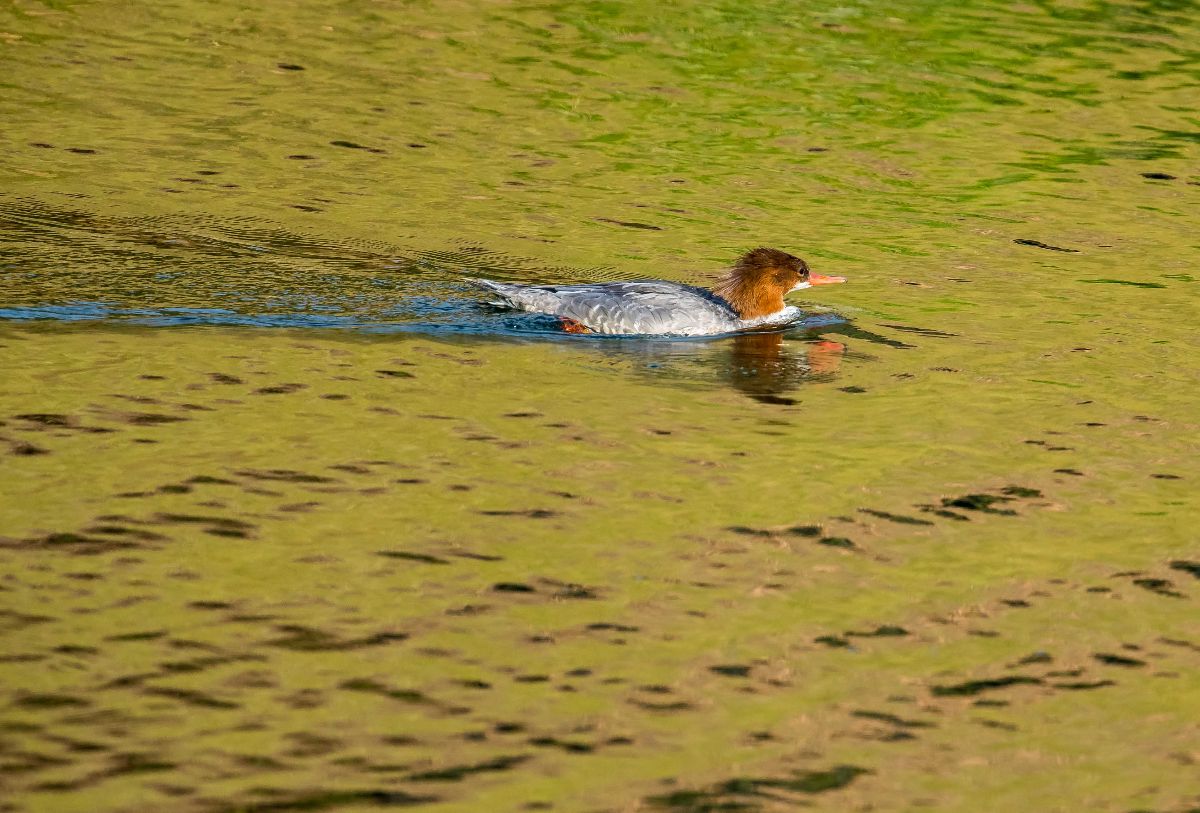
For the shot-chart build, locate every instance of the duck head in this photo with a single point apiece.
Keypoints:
(756, 284)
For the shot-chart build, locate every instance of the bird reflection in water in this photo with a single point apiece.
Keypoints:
(765, 367)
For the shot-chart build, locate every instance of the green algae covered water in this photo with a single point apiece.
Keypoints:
(291, 521)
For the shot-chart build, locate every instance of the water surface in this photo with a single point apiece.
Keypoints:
(292, 521)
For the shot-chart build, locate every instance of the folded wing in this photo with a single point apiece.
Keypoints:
(622, 307)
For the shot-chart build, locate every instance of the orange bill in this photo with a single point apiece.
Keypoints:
(821, 279)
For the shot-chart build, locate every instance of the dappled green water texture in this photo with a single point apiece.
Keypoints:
(290, 521)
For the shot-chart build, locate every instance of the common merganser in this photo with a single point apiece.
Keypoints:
(748, 297)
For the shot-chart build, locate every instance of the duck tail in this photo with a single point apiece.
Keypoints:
(534, 298)
(501, 290)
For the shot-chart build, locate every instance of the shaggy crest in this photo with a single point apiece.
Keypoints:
(756, 284)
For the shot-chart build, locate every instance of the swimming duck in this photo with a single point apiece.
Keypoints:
(748, 297)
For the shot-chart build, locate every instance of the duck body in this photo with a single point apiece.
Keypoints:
(644, 307)
(748, 297)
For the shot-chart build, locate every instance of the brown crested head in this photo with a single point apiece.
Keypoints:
(757, 282)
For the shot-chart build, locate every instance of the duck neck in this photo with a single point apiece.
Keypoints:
(749, 302)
